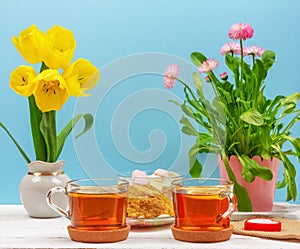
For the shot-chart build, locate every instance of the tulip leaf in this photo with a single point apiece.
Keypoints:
(64, 133)
(16, 143)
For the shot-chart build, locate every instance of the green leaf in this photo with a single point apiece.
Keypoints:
(244, 203)
(16, 143)
(266, 141)
(187, 110)
(289, 175)
(247, 73)
(287, 110)
(259, 71)
(88, 118)
(253, 117)
(293, 98)
(195, 167)
(268, 59)
(64, 133)
(198, 85)
(294, 141)
(233, 64)
(257, 170)
(37, 136)
(188, 131)
(194, 151)
(289, 166)
(48, 129)
(197, 58)
(275, 104)
(174, 102)
(283, 183)
(188, 128)
(220, 109)
(247, 174)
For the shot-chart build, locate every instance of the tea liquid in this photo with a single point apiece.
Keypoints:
(200, 209)
(97, 211)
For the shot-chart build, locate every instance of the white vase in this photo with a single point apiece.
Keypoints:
(34, 186)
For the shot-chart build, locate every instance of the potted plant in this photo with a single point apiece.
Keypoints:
(47, 91)
(246, 129)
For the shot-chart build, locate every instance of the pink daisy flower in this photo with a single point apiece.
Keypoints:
(207, 78)
(254, 51)
(230, 47)
(240, 31)
(224, 76)
(170, 75)
(208, 66)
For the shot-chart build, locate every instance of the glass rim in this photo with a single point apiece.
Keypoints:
(149, 176)
(205, 179)
(118, 182)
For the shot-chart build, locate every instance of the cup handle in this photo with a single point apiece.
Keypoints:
(231, 208)
(53, 205)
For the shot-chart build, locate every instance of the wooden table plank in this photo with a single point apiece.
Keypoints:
(18, 230)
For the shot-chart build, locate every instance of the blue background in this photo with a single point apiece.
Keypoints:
(108, 30)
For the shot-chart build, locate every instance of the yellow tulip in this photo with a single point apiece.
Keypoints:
(51, 91)
(21, 80)
(81, 76)
(59, 47)
(30, 44)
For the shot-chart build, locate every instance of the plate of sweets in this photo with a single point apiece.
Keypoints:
(150, 198)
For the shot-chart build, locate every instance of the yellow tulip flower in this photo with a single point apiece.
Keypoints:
(81, 76)
(30, 44)
(51, 91)
(21, 80)
(59, 47)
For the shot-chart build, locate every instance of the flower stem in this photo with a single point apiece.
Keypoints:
(48, 129)
(37, 136)
(242, 65)
(189, 89)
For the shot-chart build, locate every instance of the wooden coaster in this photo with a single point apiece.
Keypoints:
(104, 236)
(201, 236)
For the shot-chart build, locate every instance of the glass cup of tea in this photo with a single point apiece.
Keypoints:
(94, 204)
(202, 204)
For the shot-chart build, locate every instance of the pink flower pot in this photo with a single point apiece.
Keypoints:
(261, 192)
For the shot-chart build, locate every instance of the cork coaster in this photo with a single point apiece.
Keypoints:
(104, 236)
(202, 236)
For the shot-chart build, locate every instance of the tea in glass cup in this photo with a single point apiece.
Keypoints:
(202, 204)
(94, 204)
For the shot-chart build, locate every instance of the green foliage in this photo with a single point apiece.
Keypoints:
(241, 121)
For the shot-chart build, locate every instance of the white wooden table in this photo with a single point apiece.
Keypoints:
(18, 230)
